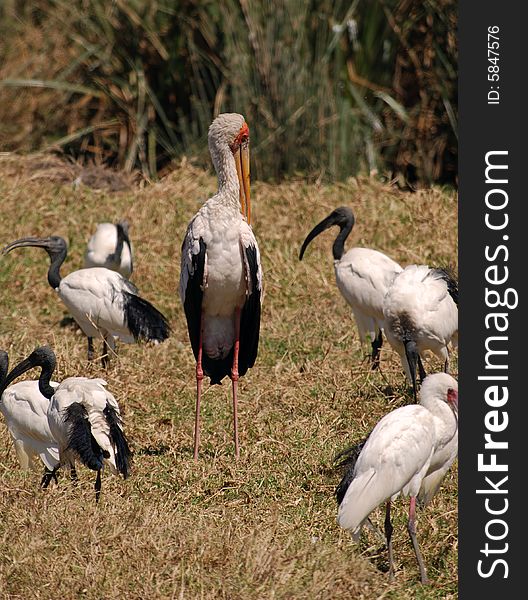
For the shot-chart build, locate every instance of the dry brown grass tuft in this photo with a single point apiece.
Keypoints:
(263, 527)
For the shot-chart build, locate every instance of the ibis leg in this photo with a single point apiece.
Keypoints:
(446, 363)
(199, 380)
(97, 486)
(376, 347)
(108, 348)
(421, 369)
(411, 356)
(73, 474)
(234, 379)
(48, 476)
(411, 527)
(388, 535)
(90, 348)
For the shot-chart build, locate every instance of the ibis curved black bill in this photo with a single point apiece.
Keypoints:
(56, 248)
(344, 218)
(53, 243)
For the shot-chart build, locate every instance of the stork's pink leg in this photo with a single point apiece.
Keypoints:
(411, 527)
(234, 379)
(199, 379)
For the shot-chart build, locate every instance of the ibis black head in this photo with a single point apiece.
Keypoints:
(56, 248)
(54, 245)
(125, 225)
(344, 218)
(42, 357)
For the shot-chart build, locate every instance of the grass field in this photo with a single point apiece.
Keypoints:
(265, 526)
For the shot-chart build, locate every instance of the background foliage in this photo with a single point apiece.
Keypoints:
(329, 88)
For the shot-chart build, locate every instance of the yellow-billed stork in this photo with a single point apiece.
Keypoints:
(84, 418)
(100, 300)
(25, 411)
(221, 275)
(421, 313)
(363, 277)
(110, 247)
(409, 451)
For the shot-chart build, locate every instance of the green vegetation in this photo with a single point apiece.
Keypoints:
(329, 89)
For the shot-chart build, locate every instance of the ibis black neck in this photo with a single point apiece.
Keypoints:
(122, 237)
(4, 366)
(343, 217)
(338, 248)
(57, 257)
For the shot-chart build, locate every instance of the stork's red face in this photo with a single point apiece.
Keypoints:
(452, 399)
(240, 149)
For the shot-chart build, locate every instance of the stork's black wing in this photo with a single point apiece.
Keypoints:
(193, 293)
(250, 314)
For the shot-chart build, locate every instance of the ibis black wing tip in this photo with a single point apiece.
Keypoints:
(347, 460)
(449, 275)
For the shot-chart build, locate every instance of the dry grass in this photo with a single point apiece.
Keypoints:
(263, 527)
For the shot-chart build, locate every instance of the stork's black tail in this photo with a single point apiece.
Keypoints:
(80, 438)
(123, 452)
(144, 320)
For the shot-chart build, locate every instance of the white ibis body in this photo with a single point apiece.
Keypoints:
(363, 277)
(421, 313)
(83, 417)
(101, 301)
(25, 411)
(221, 275)
(409, 451)
(110, 247)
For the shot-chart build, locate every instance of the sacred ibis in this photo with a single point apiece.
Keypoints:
(100, 300)
(409, 451)
(221, 275)
(25, 411)
(110, 247)
(362, 275)
(84, 418)
(421, 313)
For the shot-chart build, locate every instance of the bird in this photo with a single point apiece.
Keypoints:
(363, 277)
(25, 411)
(100, 300)
(83, 417)
(221, 273)
(421, 313)
(409, 451)
(110, 247)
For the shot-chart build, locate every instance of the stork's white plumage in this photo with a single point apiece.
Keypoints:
(110, 247)
(363, 277)
(421, 313)
(409, 451)
(83, 417)
(25, 411)
(101, 301)
(221, 275)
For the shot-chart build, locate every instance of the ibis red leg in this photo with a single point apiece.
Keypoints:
(411, 527)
